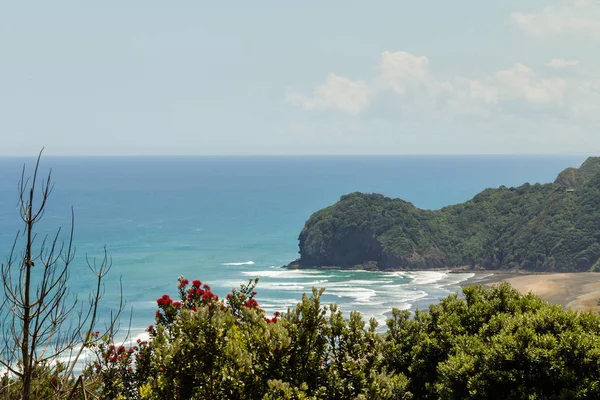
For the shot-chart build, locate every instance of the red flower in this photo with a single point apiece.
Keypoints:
(274, 320)
(193, 309)
(277, 313)
(177, 304)
(253, 293)
(150, 327)
(164, 300)
(199, 292)
(206, 287)
(251, 303)
(184, 281)
(196, 283)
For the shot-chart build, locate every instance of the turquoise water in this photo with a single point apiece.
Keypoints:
(224, 220)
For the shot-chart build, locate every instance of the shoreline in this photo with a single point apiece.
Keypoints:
(578, 291)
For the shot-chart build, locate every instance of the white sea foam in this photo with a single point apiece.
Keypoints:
(317, 282)
(282, 286)
(280, 303)
(240, 263)
(285, 273)
(479, 278)
(426, 277)
(455, 279)
(396, 274)
(357, 282)
(408, 297)
(361, 295)
(370, 303)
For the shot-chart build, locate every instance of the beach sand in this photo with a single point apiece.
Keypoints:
(576, 291)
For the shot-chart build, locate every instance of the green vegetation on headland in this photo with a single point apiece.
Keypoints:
(541, 227)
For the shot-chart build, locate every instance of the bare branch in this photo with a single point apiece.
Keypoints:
(39, 319)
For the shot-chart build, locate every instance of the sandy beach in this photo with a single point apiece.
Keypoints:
(577, 291)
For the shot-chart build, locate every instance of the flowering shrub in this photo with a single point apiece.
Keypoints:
(493, 343)
(121, 369)
(203, 347)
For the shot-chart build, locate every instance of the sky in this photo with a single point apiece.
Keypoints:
(311, 77)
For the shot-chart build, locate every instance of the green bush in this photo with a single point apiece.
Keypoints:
(491, 343)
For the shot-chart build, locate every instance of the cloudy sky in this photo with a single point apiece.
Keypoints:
(309, 77)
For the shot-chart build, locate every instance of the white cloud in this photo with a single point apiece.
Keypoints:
(406, 86)
(337, 93)
(401, 70)
(487, 93)
(522, 83)
(471, 97)
(561, 63)
(585, 99)
(566, 17)
(484, 97)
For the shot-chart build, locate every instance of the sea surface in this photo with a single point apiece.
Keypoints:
(224, 220)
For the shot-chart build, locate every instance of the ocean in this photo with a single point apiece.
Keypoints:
(224, 220)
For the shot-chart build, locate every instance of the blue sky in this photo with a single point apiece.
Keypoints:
(271, 77)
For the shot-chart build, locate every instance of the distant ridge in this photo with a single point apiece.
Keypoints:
(575, 177)
(541, 227)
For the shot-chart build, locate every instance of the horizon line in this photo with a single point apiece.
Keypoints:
(589, 154)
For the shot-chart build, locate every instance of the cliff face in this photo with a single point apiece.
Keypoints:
(550, 227)
(350, 246)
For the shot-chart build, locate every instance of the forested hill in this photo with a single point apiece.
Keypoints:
(541, 227)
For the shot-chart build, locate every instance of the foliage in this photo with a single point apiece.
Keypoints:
(491, 343)
(206, 348)
(46, 380)
(496, 343)
(550, 227)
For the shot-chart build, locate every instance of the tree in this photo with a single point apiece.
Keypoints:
(40, 321)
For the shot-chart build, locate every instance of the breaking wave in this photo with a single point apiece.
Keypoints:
(240, 263)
